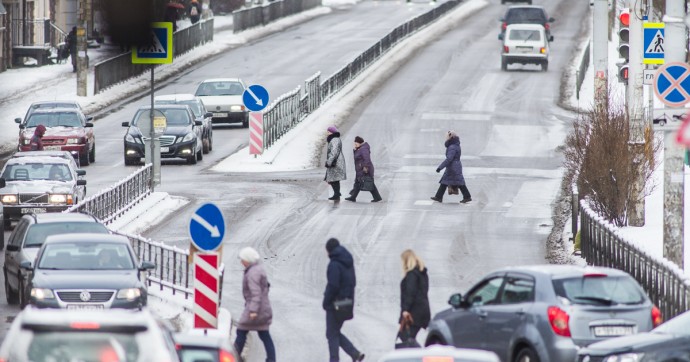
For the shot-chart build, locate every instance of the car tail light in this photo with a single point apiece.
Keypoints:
(437, 359)
(657, 318)
(547, 26)
(225, 356)
(594, 275)
(504, 25)
(543, 50)
(558, 319)
(84, 325)
(506, 49)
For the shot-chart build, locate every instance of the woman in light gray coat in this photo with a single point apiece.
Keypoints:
(257, 315)
(335, 162)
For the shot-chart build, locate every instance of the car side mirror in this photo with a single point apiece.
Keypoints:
(502, 19)
(198, 123)
(147, 265)
(455, 300)
(81, 182)
(18, 120)
(208, 114)
(12, 247)
(81, 172)
(21, 126)
(551, 20)
(26, 265)
(2, 183)
(89, 118)
(500, 36)
(125, 124)
(550, 37)
(88, 124)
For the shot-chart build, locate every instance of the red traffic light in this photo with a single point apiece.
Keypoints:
(624, 18)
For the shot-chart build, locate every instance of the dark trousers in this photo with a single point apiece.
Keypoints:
(336, 340)
(73, 58)
(355, 191)
(463, 189)
(336, 188)
(264, 336)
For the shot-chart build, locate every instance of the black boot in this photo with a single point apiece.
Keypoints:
(336, 190)
(439, 194)
(376, 195)
(466, 197)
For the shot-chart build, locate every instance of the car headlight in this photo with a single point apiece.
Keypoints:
(627, 357)
(27, 141)
(41, 293)
(73, 141)
(129, 293)
(8, 199)
(236, 108)
(188, 137)
(60, 199)
(130, 138)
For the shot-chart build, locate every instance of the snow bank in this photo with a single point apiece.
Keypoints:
(299, 149)
(147, 213)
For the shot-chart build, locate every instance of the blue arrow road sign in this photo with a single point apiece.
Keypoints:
(207, 227)
(255, 98)
(672, 84)
(653, 43)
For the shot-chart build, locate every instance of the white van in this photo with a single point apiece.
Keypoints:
(525, 44)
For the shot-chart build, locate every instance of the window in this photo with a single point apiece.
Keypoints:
(85, 346)
(173, 117)
(86, 256)
(599, 290)
(486, 292)
(39, 232)
(524, 34)
(58, 119)
(18, 234)
(220, 89)
(517, 290)
(37, 171)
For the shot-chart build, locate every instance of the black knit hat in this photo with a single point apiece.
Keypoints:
(331, 244)
(359, 140)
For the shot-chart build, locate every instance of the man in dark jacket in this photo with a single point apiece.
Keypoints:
(36, 142)
(341, 285)
(71, 41)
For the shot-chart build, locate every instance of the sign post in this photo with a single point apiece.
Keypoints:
(158, 51)
(255, 98)
(206, 228)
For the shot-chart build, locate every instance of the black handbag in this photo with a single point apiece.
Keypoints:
(406, 340)
(366, 183)
(344, 309)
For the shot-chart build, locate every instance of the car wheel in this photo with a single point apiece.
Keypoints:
(199, 155)
(84, 159)
(210, 141)
(545, 66)
(2, 235)
(245, 123)
(662, 122)
(7, 223)
(504, 65)
(22, 293)
(435, 341)
(205, 145)
(526, 355)
(92, 154)
(12, 297)
(192, 160)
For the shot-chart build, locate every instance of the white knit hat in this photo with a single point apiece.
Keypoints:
(249, 254)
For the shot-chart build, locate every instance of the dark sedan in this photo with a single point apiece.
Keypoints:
(181, 138)
(86, 271)
(668, 342)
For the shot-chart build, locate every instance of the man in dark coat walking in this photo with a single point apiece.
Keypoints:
(452, 176)
(71, 41)
(36, 142)
(341, 285)
(363, 166)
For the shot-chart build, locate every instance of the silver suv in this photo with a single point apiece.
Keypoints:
(545, 312)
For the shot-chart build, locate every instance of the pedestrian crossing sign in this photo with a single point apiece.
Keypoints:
(653, 43)
(159, 50)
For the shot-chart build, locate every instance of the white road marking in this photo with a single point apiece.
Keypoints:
(470, 172)
(424, 202)
(456, 116)
(523, 141)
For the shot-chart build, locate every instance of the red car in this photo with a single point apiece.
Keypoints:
(67, 129)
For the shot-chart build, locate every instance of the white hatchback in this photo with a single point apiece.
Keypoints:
(525, 44)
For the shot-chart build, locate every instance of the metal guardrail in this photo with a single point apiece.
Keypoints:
(31, 32)
(111, 203)
(291, 108)
(246, 18)
(582, 70)
(665, 283)
(120, 68)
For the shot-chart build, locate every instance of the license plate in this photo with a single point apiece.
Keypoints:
(52, 148)
(85, 306)
(35, 210)
(223, 114)
(165, 149)
(612, 331)
(524, 49)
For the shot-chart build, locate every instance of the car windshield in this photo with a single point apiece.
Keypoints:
(86, 256)
(188, 354)
(53, 105)
(37, 171)
(677, 325)
(523, 34)
(81, 346)
(54, 119)
(526, 15)
(599, 290)
(38, 233)
(173, 116)
(194, 105)
(219, 89)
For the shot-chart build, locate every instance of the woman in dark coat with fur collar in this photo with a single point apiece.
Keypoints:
(452, 176)
(415, 313)
(363, 166)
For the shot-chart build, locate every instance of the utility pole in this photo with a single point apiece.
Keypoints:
(82, 64)
(635, 103)
(600, 54)
(674, 183)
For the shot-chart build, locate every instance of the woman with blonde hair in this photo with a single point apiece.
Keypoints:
(415, 313)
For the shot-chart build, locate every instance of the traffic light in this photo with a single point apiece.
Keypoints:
(623, 46)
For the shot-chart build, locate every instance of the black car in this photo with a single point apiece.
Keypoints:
(200, 113)
(28, 237)
(181, 138)
(86, 271)
(667, 342)
(527, 14)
